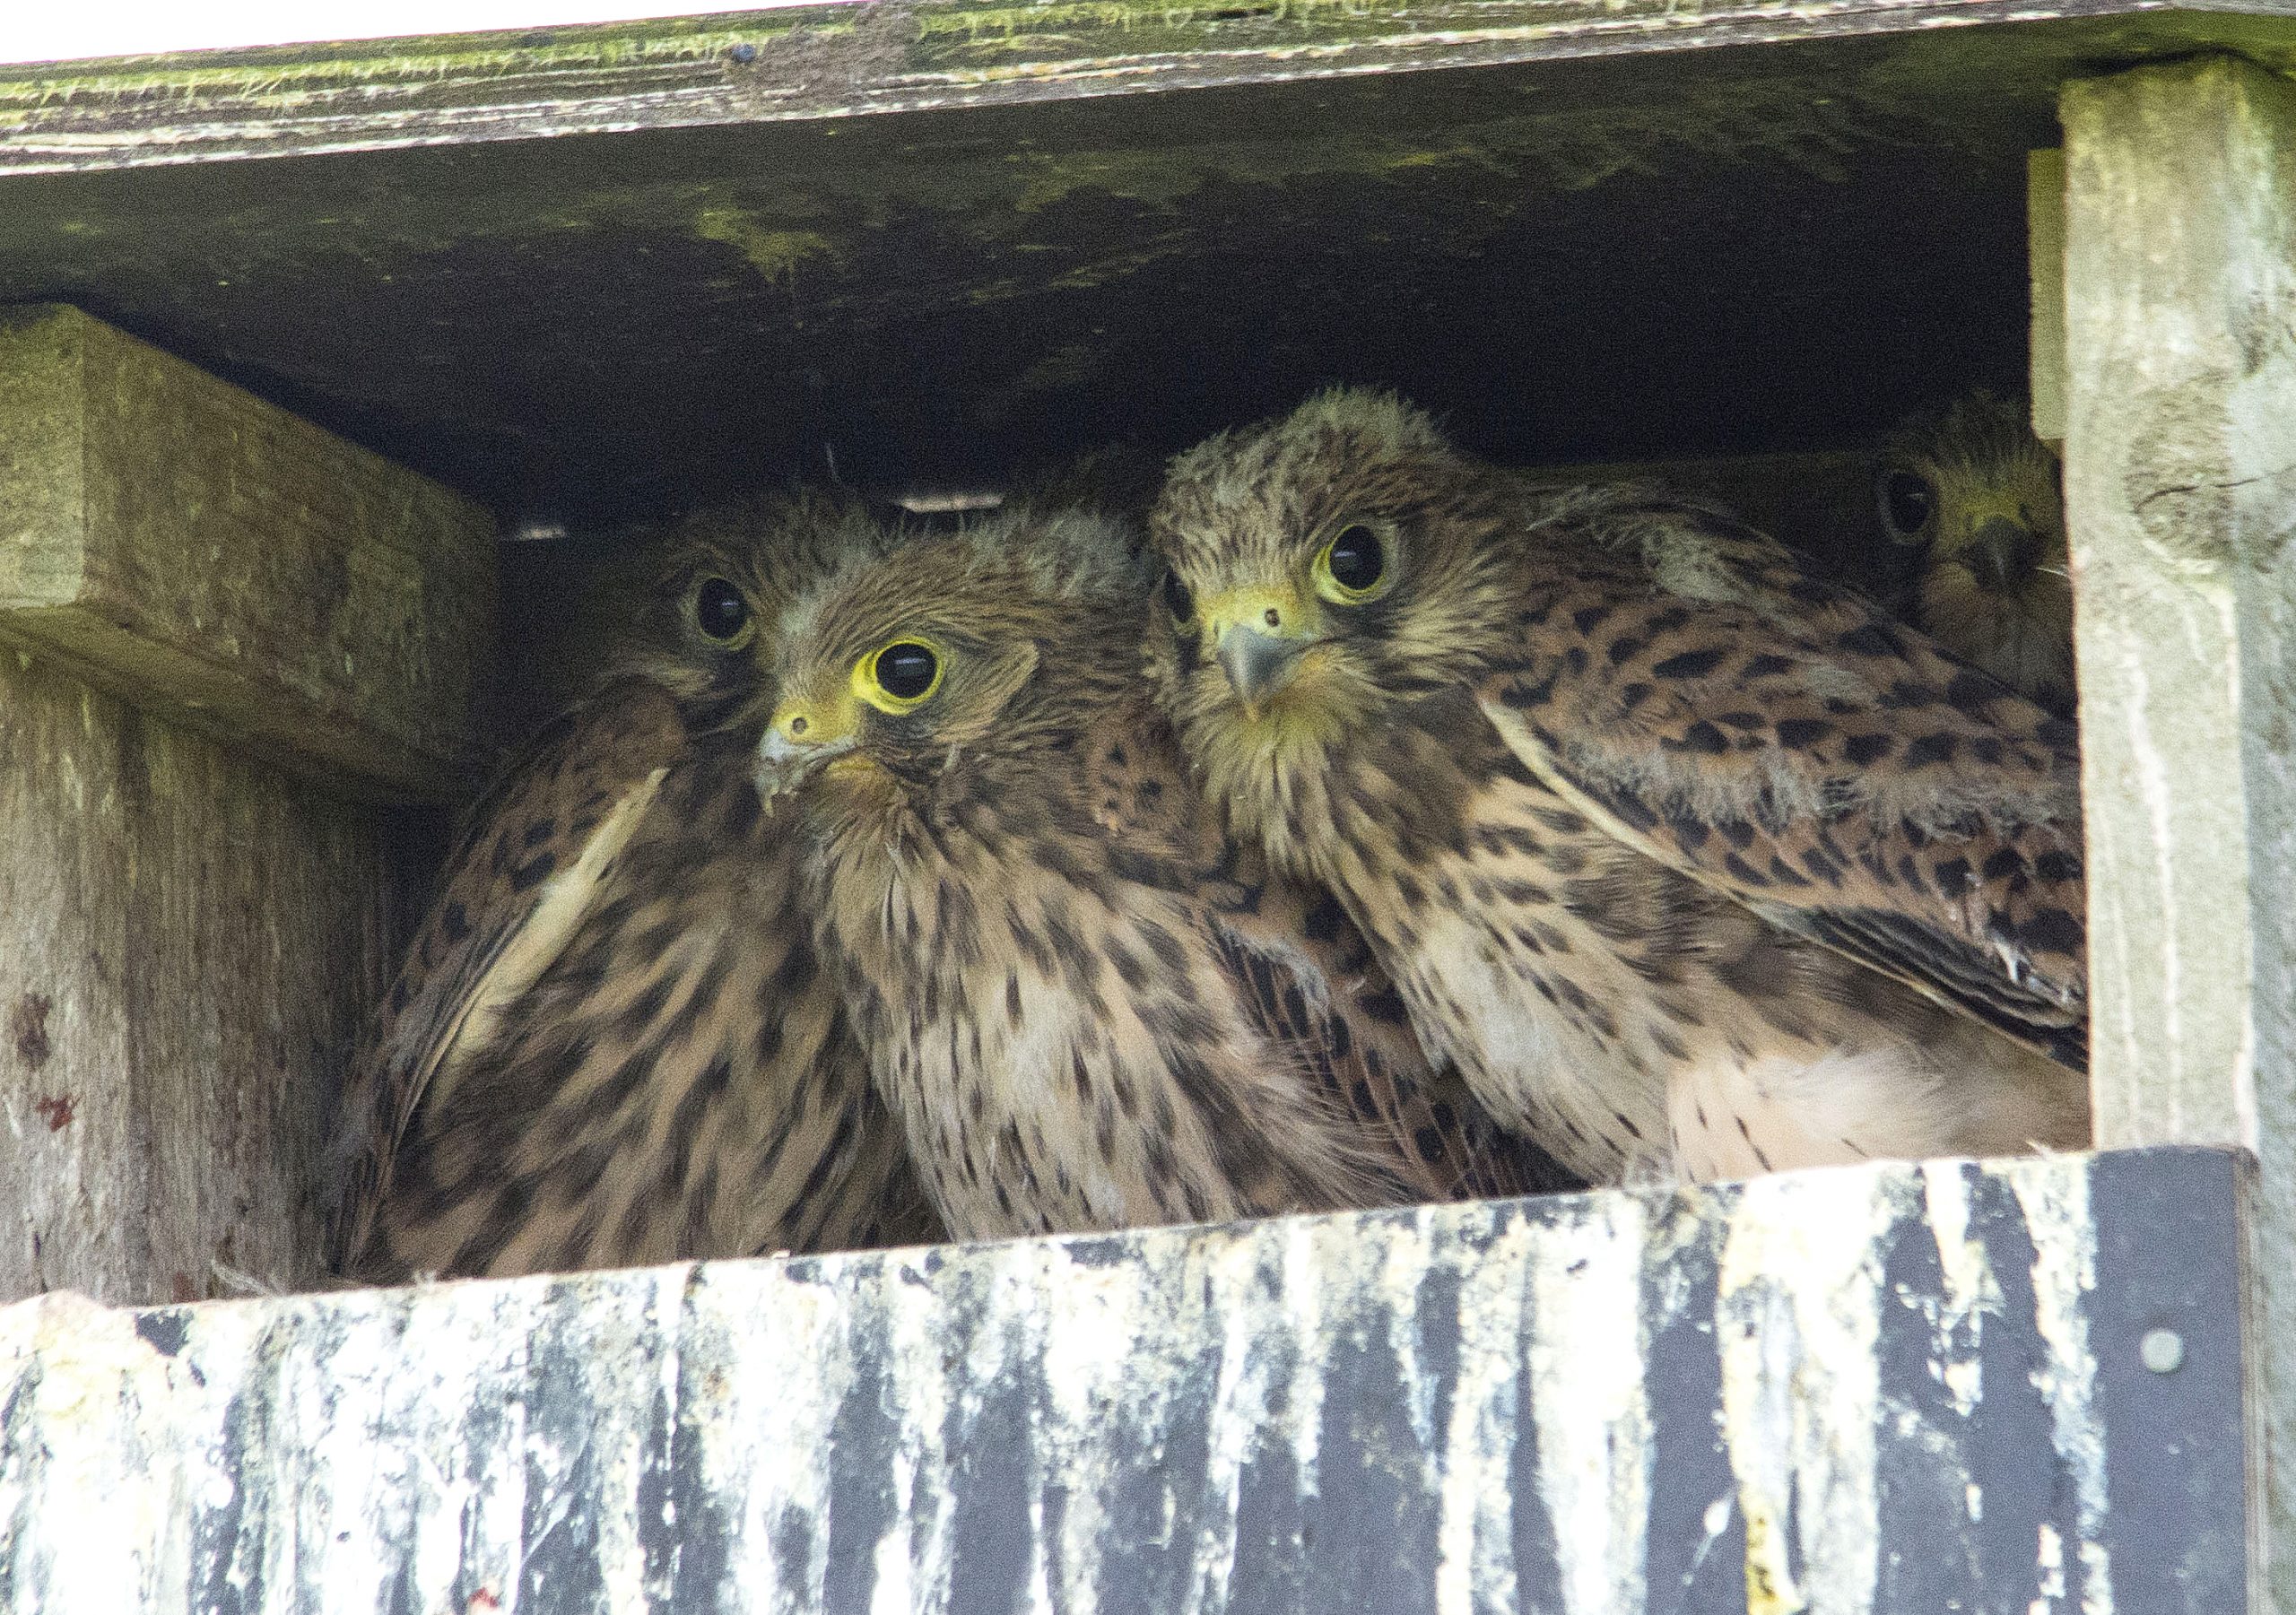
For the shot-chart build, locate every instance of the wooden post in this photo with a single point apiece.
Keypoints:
(218, 626)
(2180, 480)
(2044, 228)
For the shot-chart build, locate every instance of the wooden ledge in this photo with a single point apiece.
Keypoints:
(213, 559)
(1899, 1388)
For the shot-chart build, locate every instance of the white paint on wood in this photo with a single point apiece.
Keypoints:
(1801, 1301)
(2064, 1272)
(1143, 1422)
(1587, 1378)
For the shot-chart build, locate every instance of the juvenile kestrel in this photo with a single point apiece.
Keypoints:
(1980, 498)
(1691, 863)
(610, 1043)
(1088, 1010)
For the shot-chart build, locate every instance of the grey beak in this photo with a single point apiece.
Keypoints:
(2002, 555)
(1258, 664)
(783, 765)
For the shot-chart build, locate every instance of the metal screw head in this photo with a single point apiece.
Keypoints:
(2162, 1351)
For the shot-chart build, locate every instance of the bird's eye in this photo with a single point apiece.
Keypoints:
(1908, 502)
(720, 610)
(1177, 599)
(1352, 563)
(900, 676)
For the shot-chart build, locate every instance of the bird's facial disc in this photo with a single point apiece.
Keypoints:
(1261, 634)
(811, 732)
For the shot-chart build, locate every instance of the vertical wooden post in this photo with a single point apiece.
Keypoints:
(2180, 480)
(2045, 230)
(219, 626)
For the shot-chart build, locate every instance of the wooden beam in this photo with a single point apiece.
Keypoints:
(829, 60)
(2045, 232)
(227, 565)
(1899, 1389)
(2180, 477)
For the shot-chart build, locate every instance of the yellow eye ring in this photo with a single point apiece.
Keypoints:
(900, 675)
(1351, 566)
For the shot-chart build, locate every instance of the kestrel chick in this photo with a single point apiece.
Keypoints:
(1980, 497)
(1691, 863)
(1089, 1011)
(610, 1044)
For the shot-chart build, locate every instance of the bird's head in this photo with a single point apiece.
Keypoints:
(1320, 567)
(1980, 496)
(925, 654)
(697, 601)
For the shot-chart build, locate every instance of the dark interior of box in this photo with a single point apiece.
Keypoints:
(1708, 252)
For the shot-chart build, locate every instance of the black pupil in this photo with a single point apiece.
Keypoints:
(905, 671)
(1176, 596)
(1355, 558)
(721, 609)
(1909, 500)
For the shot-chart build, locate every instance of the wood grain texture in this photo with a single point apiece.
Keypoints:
(190, 942)
(2180, 477)
(2045, 234)
(834, 59)
(1892, 1390)
(1557, 249)
(219, 561)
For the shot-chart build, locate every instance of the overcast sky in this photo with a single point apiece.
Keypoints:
(39, 31)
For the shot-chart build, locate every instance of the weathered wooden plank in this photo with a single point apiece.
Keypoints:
(839, 58)
(2180, 479)
(2044, 251)
(1893, 1389)
(587, 331)
(188, 945)
(217, 560)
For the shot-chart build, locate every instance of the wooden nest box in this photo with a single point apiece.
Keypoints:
(304, 346)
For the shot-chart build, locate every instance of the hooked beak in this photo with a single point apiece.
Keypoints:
(1258, 664)
(800, 739)
(2002, 555)
(1258, 636)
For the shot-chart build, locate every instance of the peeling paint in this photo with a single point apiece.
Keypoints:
(2064, 1272)
(1454, 1409)
(1800, 1394)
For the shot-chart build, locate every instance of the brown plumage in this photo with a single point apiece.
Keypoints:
(610, 1043)
(1981, 499)
(1690, 860)
(1088, 1010)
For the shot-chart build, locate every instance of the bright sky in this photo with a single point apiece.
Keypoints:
(39, 31)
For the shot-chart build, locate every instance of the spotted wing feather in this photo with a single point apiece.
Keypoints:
(1779, 739)
(533, 852)
(1310, 983)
